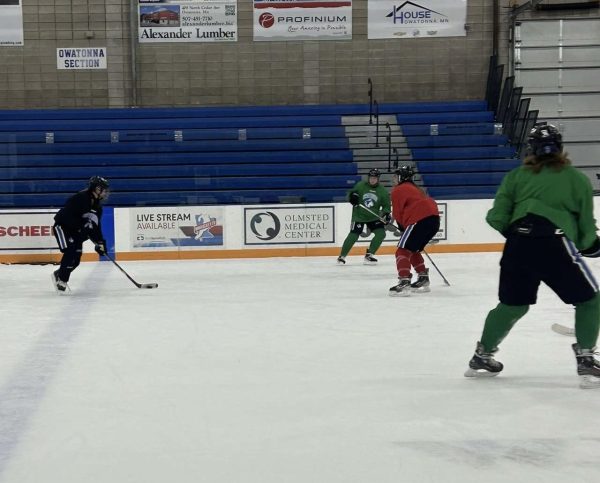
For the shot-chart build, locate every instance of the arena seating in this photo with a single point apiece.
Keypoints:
(241, 155)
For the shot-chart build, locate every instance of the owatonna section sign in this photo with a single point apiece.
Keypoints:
(187, 21)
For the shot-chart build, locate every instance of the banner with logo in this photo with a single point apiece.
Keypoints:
(176, 227)
(388, 19)
(27, 230)
(302, 20)
(292, 225)
(11, 23)
(187, 20)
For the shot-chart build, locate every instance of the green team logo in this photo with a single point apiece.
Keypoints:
(370, 200)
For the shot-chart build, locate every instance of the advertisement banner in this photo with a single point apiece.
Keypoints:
(302, 20)
(11, 23)
(388, 19)
(81, 58)
(176, 227)
(27, 230)
(393, 237)
(292, 225)
(187, 20)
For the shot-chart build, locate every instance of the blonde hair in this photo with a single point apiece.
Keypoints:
(556, 161)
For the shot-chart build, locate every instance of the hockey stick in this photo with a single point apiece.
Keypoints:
(563, 329)
(386, 223)
(426, 254)
(391, 225)
(138, 285)
(437, 269)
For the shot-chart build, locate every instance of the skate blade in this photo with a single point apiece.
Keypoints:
(369, 263)
(404, 293)
(479, 373)
(421, 290)
(56, 289)
(589, 382)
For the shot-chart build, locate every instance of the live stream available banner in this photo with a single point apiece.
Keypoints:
(187, 20)
(389, 19)
(173, 227)
(302, 20)
(11, 23)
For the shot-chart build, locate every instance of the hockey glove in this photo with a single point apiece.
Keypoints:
(593, 251)
(387, 218)
(100, 247)
(354, 199)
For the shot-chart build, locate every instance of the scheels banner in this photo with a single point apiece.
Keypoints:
(302, 20)
(389, 19)
(187, 20)
(27, 230)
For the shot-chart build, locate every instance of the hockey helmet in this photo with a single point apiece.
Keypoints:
(544, 139)
(374, 173)
(99, 182)
(405, 173)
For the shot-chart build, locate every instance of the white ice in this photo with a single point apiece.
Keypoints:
(283, 370)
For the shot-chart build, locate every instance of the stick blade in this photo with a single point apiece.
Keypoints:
(563, 330)
(148, 285)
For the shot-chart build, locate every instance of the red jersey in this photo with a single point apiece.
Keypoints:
(410, 204)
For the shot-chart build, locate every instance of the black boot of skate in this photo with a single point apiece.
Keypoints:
(422, 283)
(402, 289)
(483, 364)
(341, 260)
(588, 368)
(369, 259)
(59, 285)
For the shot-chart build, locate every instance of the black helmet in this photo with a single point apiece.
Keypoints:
(405, 173)
(98, 181)
(374, 173)
(544, 139)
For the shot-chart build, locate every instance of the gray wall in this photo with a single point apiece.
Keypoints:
(241, 73)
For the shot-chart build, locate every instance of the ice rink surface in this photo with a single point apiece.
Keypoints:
(283, 370)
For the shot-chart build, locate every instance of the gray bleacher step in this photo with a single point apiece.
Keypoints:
(381, 151)
(355, 130)
(370, 142)
(364, 120)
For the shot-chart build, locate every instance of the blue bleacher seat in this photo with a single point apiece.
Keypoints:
(199, 156)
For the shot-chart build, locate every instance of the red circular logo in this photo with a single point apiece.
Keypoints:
(266, 20)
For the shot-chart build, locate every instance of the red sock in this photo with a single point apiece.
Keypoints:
(403, 262)
(416, 260)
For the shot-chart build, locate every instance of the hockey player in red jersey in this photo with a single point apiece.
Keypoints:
(418, 218)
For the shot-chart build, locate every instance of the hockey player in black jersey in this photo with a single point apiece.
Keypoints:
(78, 221)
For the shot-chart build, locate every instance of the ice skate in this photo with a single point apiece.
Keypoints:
(421, 285)
(58, 284)
(402, 289)
(588, 368)
(369, 259)
(341, 260)
(483, 364)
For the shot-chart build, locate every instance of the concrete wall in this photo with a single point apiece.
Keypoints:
(241, 73)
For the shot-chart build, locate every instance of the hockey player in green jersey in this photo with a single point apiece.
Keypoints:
(375, 197)
(544, 208)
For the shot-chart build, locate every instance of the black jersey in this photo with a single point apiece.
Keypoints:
(81, 214)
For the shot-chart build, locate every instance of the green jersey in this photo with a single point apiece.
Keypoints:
(563, 196)
(376, 198)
